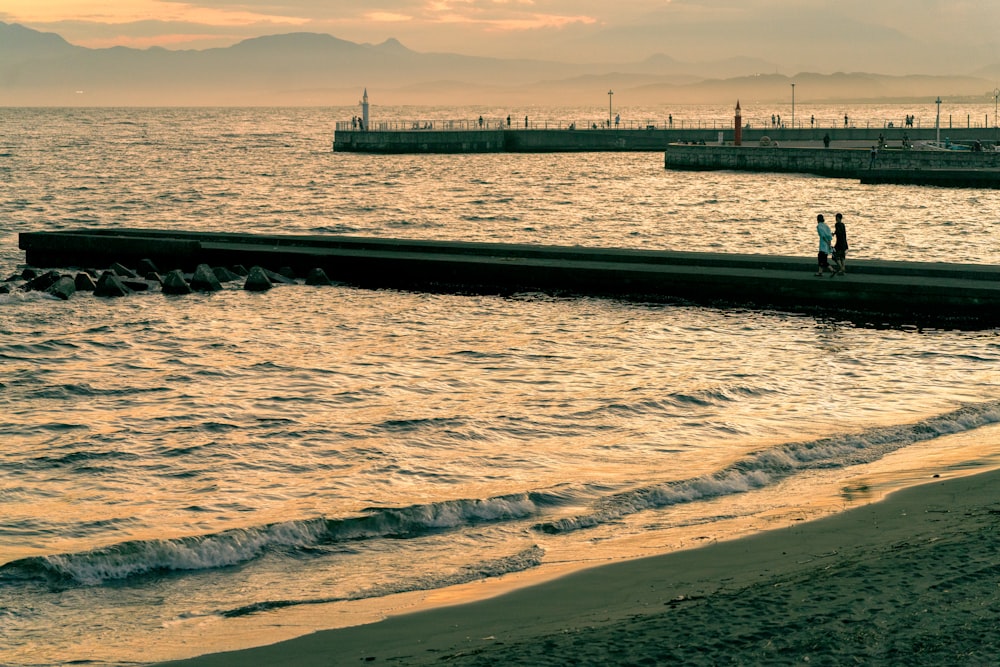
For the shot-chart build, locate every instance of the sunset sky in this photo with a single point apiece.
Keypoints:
(894, 36)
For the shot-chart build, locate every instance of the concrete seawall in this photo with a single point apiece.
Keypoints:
(502, 141)
(535, 140)
(873, 292)
(840, 162)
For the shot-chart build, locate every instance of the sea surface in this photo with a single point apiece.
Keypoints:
(181, 475)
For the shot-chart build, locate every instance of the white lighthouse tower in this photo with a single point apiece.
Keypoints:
(364, 111)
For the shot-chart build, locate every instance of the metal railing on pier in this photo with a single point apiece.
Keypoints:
(669, 123)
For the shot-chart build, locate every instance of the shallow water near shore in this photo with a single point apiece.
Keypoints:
(186, 474)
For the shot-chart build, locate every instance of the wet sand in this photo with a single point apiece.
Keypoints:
(913, 579)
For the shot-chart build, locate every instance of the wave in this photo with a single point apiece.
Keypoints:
(135, 559)
(235, 547)
(519, 562)
(770, 466)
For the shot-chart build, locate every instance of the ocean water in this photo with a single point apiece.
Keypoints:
(183, 475)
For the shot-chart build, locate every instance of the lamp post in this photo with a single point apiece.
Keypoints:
(996, 95)
(937, 121)
(793, 106)
(610, 93)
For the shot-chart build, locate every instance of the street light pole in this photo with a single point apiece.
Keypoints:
(793, 106)
(610, 93)
(937, 121)
(996, 95)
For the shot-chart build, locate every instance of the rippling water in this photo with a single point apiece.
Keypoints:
(189, 474)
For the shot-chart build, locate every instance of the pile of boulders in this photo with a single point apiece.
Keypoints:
(119, 280)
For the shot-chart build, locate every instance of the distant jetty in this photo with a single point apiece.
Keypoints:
(872, 292)
(893, 165)
(836, 152)
(541, 137)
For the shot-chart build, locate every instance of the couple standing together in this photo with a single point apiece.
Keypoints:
(839, 248)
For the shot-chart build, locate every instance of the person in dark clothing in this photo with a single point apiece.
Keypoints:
(840, 245)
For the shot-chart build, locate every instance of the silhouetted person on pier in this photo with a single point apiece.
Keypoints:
(874, 157)
(845, 120)
(840, 247)
(526, 122)
(508, 120)
(826, 140)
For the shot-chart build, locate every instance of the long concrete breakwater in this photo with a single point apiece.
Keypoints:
(872, 292)
(944, 167)
(655, 138)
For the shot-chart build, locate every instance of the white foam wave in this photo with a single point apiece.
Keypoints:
(131, 559)
(770, 466)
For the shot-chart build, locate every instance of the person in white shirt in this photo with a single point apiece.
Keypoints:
(825, 236)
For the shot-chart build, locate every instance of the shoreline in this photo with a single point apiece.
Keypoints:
(913, 578)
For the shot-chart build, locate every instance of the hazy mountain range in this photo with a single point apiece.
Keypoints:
(43, 69)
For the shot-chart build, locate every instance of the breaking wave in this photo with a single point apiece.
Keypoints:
(768, 467)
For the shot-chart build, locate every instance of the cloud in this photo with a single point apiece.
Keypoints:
(388, 17)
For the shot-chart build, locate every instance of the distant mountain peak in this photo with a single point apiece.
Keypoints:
(294, 40)
(393, 45)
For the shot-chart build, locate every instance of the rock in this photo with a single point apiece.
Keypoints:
(41, 283)
(110, 285)
(204, 279)
(154, 277)
(257, 280)
(4, 289)
(241, 271)
(174, 283)
(29, 273)
(83, 282)
(123, 271)
(287, 272)
(224, 275)
(317, 277)
(136, 285)
(146, 266)
(278, 277)
(62, 288)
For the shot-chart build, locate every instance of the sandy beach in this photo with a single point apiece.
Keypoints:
(913, 579)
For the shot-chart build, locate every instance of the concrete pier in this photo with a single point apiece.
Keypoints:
(894, 165)
(873, 292)
(470, 139)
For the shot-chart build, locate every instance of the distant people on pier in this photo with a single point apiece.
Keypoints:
(670, 120)
(874, 156)
(526, 122)
(845, 120)
(826, 140)
(508, 120)
(618, 119)
(480, 122)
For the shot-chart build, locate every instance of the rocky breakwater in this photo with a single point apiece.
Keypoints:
(119, 280)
